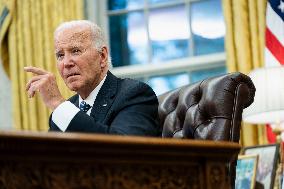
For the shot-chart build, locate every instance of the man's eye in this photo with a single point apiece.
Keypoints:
(76, 51)
(59, 55)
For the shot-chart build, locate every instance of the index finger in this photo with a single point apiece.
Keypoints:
(35, 70)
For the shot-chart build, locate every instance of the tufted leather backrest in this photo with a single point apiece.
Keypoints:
(210, 110)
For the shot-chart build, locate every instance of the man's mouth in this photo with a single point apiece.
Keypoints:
(72, 75)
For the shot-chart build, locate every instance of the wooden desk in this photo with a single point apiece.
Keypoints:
(91, 161)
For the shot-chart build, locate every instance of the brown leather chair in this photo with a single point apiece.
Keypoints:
(207, 110)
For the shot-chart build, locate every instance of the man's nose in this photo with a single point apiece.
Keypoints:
(68, 61)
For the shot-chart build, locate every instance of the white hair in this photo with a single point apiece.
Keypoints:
(98, 37)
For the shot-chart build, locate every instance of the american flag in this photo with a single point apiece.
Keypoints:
(274, 33)
(274, 43)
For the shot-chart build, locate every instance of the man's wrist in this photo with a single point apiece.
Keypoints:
(57, 103)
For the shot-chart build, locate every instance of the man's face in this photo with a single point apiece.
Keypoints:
(80, 65)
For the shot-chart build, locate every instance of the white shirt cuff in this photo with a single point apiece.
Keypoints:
(63, 114)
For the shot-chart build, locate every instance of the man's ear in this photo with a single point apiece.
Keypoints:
(104, 56)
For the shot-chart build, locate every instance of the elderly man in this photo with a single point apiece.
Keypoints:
(103, 103)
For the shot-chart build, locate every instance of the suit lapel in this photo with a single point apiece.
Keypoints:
(75, 100)
(105, 97)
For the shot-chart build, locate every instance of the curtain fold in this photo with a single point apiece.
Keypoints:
(245, 26)
(6, 12)
(27, 40)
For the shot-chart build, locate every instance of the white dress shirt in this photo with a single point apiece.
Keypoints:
(66, 111)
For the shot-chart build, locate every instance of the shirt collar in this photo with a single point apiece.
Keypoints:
(93, 95)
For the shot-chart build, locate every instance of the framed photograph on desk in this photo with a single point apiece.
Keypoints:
(267, 163)
(246, 171)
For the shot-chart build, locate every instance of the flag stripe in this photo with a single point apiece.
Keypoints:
(270, 60)
(274, 46)
(275, 24)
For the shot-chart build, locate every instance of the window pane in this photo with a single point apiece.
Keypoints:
(128, 38)
(202, 74)
(124, 4)
(169, 33)
(166, 83)
(208, 27)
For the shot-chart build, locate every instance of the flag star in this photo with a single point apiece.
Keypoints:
(281, 6)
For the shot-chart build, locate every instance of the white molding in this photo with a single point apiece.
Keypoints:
(172, 67)
(6, 121)
(90, 10)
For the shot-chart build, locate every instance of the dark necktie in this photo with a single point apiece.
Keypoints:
(84, 106)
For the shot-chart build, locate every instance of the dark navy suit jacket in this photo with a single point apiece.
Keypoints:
(122, 106)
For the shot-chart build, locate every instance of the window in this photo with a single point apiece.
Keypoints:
(166, 43)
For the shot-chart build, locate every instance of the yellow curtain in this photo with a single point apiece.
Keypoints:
(27, 40)
(6, 12)
(245, 27)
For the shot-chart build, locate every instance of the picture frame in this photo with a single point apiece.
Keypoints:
(246, 171)
(268, 156)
